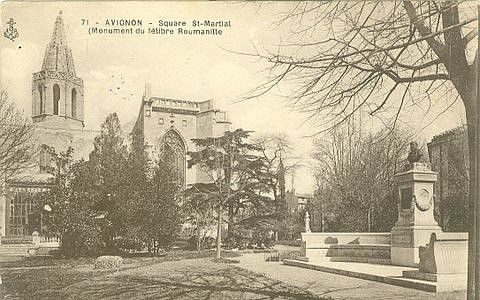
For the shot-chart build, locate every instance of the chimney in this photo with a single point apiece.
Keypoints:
(148, 91)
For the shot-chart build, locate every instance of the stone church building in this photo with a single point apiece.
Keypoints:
(171, 124)
(58, 117)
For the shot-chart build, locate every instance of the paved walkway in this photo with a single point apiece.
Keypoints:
(9, 258)
(336, 286)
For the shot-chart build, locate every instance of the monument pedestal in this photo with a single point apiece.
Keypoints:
(415, 222)
(406, 241)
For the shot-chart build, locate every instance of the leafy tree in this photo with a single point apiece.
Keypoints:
(198, 209)
(108, 161)
(160, 208)
(116, 200)
(234, 173)
(131, 197)
(383, 58)
(148, 203)
(68, 208)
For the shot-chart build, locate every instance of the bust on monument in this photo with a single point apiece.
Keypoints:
(415, 158)
(414, 155)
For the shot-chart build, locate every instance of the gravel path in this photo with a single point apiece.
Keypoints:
(335, 286)
(185, 279)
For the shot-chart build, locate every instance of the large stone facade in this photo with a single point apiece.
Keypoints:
(57, 114)
(448, 153)
(175, 122)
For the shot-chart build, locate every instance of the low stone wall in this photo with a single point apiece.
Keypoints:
(320, 245)
(444, 260)
(354, 250)
(446, 253)
(370, 238)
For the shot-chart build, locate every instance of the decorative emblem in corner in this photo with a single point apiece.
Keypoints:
(11, 32)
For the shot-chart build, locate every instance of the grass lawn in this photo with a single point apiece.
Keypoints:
(179, 275)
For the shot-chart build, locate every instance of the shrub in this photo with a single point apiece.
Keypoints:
(294, 243)
(207, 242)
(226, 260)
(280, 256)
(289, 255)
(108, 262)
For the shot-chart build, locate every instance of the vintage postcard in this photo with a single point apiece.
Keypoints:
(239, 150)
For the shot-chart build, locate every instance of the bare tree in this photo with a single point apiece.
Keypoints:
(276, 151)
(16, 139)
(383, 58)
(360, 178)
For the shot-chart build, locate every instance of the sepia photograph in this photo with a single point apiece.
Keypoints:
(239, 150)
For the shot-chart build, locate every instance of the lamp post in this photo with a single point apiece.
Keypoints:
(219, 185)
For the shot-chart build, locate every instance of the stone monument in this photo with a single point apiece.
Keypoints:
(416, 221)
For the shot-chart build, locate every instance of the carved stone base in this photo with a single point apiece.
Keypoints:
(406, 241)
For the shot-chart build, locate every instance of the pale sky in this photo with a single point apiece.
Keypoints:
(183, 67)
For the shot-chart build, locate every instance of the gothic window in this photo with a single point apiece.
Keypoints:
(45, 159)
(74, 103)
(40, 99)
(160, 121)
(56, 98)
(172, 149)
(184, 123)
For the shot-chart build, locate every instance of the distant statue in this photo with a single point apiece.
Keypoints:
(307, 222)
(414, 155)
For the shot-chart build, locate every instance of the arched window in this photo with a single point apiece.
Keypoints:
(172, 149)
(40, 97)
(45, 159)
(74, 103)
(56, 98)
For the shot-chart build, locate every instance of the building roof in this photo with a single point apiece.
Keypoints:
(58, 57)
(449, 134)
(31, 179)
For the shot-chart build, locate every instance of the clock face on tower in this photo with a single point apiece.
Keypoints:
(423, 200)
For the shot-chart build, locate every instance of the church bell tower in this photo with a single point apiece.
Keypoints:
(57, 91)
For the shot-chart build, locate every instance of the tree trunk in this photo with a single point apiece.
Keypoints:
(231, 223)
(199, 238)
(322, 218)
(473, 259)
(369, 220)
(219, 232)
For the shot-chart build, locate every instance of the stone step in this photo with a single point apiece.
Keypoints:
(362, 251)
(354, 259)
(387, 274)
(15, 250)
(13, 254)
(422, 276)
(21, 240)
(5, 246)
(445, 282)
(361, 246)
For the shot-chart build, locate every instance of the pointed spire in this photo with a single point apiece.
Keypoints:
(58, 57)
